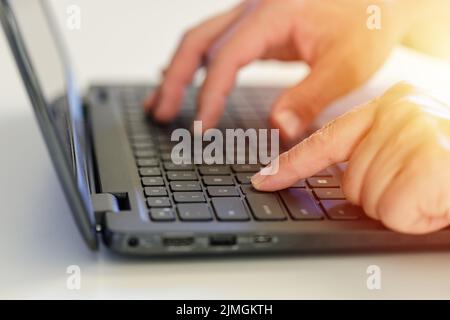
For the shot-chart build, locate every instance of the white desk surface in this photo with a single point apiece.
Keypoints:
(130, 40)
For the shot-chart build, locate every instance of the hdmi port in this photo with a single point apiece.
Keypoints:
(178, 241)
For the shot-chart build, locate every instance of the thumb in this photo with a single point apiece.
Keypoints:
(296, 108)
(331, 144)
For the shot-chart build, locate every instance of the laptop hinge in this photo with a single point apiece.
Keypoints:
(103, 203)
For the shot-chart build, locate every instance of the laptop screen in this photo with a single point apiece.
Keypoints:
(50, 83)
(54, 78)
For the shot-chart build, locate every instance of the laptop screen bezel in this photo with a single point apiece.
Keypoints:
(71, 182)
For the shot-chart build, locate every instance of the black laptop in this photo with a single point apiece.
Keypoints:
(124, 188)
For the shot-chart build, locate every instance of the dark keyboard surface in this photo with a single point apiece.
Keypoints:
(188, 192)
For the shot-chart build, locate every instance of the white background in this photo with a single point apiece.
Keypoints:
(131, 40)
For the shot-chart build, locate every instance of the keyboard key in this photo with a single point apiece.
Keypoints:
(163, 138)
(244, 178)
(136, 128)
(152, 181)
(145, 154)
(222, 191)
(323, 182)
(142, 145)
(150, 162)
(301, 204)
(155, 191)
(229, 209)
(265, 206)
(141, 137)
(214, 170)
(158, 202)
(249, 189)
(162, 214)
(131, 113)
(342, 210)
(149, 172)
(166, 156)
(246, 167)
(218, 181)
(185, 186)
(165, 148)
(329, 193)
(188, 197)
(194, 212)
(181, 175)
(170, 166)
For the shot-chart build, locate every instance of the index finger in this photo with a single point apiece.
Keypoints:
(185, 63)
(332, 144)
(246, 45)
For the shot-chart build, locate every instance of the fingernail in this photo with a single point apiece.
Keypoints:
(289, 122)
(258, 178)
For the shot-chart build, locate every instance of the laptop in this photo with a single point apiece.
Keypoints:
(127, 193)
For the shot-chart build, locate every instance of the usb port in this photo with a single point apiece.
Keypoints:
(178, 241)
(262, 239)
(222, 240)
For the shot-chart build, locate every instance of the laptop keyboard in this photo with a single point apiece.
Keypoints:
(189, 192)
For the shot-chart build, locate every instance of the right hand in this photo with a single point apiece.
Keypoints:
(398, 152)
(331, 36)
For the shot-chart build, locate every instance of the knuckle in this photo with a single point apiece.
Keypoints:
(368, 202)
(401, 102)
(399, 90)
(386, 214)
(221, 60)
(392, 217)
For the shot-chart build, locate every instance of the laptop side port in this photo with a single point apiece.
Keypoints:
(133, 242)
(262, 239)
(178, 241)
(222, 240)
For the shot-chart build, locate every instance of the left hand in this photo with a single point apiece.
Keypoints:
(398, 148)
(331, 36)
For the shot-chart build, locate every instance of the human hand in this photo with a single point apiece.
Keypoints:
(398, 148)
(331, 36)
